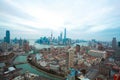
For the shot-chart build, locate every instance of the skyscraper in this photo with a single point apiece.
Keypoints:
(118, 44)
(61, 36)
(70, 58)
(65, 33)
(114, 43)
(7, 38)
(51, 38)
(64, 40)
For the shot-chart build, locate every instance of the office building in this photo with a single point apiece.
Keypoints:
(7, 37)
(61, 36)
(70, 58)
(64, 36)
(65, 33)
(20, 42)
(26, 46)
(77, 48)
(118, 44)
(114, 43)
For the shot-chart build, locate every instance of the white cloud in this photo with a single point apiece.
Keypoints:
(56, 15)
(44, 18)
(97, 28)
(17, 27)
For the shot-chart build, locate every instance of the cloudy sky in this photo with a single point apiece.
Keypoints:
(83, 19)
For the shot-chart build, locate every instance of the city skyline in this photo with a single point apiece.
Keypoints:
(82, 19)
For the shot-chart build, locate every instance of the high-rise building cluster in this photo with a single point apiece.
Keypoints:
(56, 41)
(8, 44)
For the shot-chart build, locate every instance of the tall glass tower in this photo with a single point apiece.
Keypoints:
(65, 33)
(61, 36)
(8, 36)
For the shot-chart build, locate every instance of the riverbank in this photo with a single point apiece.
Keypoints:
(31, 69)
(49, 72)
(45, 72)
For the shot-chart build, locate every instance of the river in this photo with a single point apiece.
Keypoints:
(27, 67)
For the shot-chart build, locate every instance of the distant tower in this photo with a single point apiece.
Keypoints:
(51, 38)
(20, 42)
(64, 40)
(65, 33)
(114, 43)
(7, 36)
(5, 39)
(61, 36)
(26, 46)
(51, 35)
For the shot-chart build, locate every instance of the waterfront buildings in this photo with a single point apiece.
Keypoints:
(60, 40)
